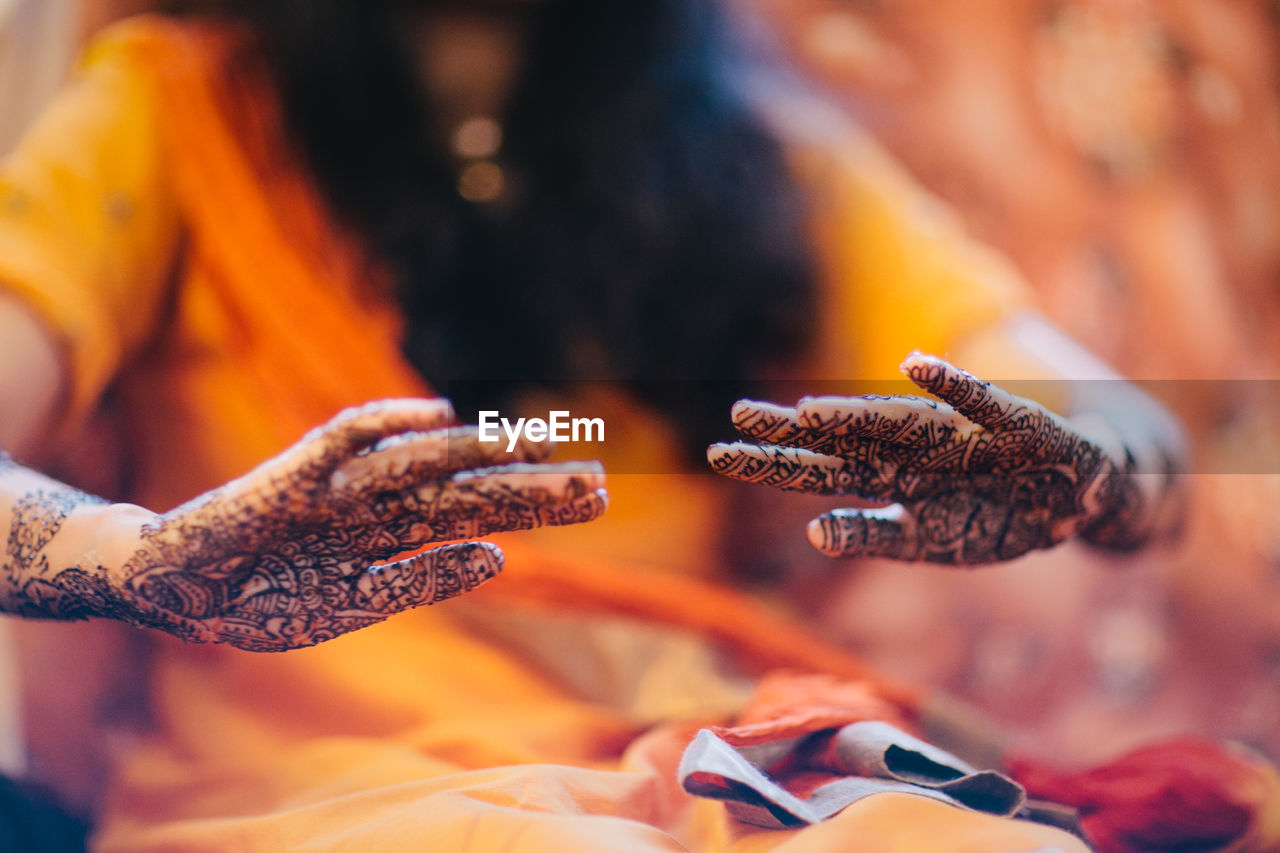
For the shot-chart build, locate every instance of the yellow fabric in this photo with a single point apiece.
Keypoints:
(152, 222)
(901, 273)
(88, 225)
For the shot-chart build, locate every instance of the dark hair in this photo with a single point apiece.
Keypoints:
(652, 232)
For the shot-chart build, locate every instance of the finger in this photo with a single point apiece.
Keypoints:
(841, 426)
(978, 400)
(284, 490)
(832, 430)
(885, 532)
(914, 422)
(462, 447)
(1022, 428)
(357, 429)
(769, 423)
(380, 541)
(405, 460)
(798, 470)
(956, 528)
(474, 493)
(524, 483)
(426, 578)
(505, 519)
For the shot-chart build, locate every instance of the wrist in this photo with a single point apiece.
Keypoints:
(115, 534)
(1140, 498)
(80, 569)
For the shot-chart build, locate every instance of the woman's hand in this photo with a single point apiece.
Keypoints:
(284, 556)
(982, 476)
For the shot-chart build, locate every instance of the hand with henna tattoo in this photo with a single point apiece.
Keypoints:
(291, 554)
(976, 476)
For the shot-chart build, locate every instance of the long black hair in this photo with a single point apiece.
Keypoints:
(651, 233)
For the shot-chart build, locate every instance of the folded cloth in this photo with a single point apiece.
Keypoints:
(808, 779)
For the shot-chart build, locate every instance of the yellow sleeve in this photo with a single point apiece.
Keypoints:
(898, 272)
(88, 224)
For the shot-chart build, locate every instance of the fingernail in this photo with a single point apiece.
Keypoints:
(722, 455)
(816, 532)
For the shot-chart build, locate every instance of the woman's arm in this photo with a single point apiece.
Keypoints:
(291, 554)
(47, 528)
(30, 378)
(34, 509)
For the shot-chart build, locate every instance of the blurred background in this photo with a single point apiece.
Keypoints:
(1126, 156)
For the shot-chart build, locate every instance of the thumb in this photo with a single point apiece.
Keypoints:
(429, 577)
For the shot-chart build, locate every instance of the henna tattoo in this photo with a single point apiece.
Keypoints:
(285, 556)
(977, 477)
(35, 589)
(290, 554)
(37, 517)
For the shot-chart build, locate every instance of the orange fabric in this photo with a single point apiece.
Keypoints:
(230, 317)
(787, 705)
(760, 640)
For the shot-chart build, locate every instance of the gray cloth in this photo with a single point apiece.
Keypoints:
(876, 757)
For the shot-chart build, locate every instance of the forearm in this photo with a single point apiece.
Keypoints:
(59, 544)
(61, 547)
(1145, 442)
(32, 384)
(1149, 449)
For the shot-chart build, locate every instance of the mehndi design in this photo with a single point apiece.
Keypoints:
(284, 556)
(978, 476)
